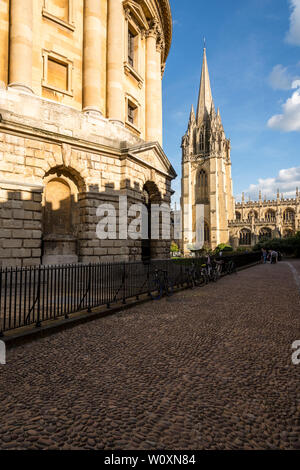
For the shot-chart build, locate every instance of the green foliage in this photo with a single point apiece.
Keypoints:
(223, 247)
(287, 246)
(174, 247)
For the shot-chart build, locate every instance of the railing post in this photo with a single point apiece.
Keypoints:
(38, 320)
(1, 324)
(124, 283)
(148, 279)
(89, 287)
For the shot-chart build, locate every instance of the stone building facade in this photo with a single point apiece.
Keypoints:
(80, 125)
(263, 219)
(206, 172)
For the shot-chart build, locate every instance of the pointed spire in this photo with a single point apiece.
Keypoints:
(205, 101)
(192, 116)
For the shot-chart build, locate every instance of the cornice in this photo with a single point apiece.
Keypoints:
(165, 9)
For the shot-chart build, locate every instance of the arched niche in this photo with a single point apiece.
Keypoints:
(61, 218)
(150, 195)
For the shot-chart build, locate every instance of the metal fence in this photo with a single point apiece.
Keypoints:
(31, 295)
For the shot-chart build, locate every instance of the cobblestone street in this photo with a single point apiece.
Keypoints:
(208, 368)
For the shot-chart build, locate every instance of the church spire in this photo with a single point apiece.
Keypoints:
(192, 116)
(205, 101)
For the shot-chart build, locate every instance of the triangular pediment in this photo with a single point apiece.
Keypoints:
(137, 12)
(153, 155)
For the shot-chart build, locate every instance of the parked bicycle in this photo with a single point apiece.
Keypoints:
(162, 285)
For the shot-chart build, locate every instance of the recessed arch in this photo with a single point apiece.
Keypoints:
(245, 237)
(201, 187)
(265, 232)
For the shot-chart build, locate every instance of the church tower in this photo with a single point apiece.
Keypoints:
(206, 172)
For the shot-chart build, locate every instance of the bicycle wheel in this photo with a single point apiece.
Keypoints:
(158, 290)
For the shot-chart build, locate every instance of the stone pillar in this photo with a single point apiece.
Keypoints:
(20, 54)
(159, 94)
(92, 60)
(153, 87)
(115, 94)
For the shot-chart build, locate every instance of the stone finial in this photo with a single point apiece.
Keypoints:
(243, 197)
(297, 192)
(259, 195)
(278, 194)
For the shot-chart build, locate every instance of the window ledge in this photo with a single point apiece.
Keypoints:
(130, 71)
(57, 20)
(132, 127)
(57, 90)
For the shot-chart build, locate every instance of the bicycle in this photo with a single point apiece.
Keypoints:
(230, 268)
(218, 269)
(162, 285)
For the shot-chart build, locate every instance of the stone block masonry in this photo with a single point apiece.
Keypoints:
(20, 225)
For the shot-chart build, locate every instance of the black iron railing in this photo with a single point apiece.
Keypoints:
(32, 295)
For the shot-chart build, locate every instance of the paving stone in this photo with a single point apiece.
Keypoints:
(210, 369)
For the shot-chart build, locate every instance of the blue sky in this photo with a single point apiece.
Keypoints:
(253, 52)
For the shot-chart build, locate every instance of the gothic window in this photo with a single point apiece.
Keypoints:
(265, 233)
(202, 186)
(245, 237)
(195, 142)
(206, 233)
(201, 142)
(289, 215)
(270, 215)
(238, 215)
(253, 215)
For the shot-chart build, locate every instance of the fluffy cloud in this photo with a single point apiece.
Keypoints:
(293, 35)
(289, 120)
(286, 181)
(280, 79)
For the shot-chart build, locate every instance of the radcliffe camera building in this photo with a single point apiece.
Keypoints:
(81, 124)
(206, 181)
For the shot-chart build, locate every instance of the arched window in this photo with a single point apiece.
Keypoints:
(245, 237)
(195, 142)
(270, 215)
(201, 141)
(238, 215)
(253, 215)
(206, 233)
(265, 233)
(202, 187)
(289, 215)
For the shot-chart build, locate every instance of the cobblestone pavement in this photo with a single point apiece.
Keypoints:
(206, 369)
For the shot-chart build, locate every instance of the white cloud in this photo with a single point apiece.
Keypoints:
(293, 35)
(280, 79)
(286, 181)
(289, 120)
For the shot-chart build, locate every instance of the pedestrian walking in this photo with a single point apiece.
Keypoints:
(274, 257)
(264, 255)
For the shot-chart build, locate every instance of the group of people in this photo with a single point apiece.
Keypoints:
(270, 256)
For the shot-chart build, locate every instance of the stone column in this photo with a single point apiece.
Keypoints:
(159, 94)
(153, 87)
(92, 60)
(20, 54)
(115, 94)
